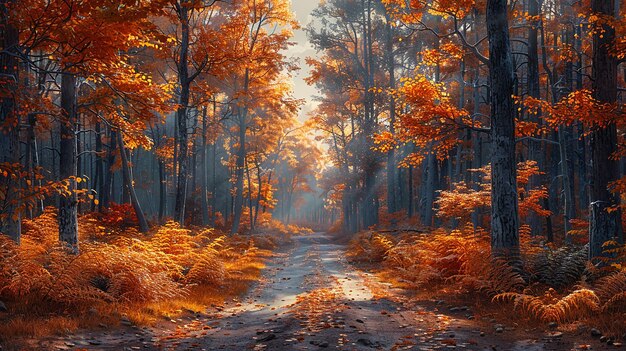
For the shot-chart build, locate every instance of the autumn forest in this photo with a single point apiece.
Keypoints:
(301, 175)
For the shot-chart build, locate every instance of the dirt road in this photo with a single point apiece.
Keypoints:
(312, 299)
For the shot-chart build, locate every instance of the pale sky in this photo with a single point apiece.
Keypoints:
(302, 49)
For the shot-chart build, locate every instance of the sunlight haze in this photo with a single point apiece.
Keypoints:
(301, 50)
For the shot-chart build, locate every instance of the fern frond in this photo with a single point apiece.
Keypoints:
(531, 305)
(616, 304)
(611, 285)
(576, 304)
(501, 276)
(579, 303)
(208, 269)
(559, 268)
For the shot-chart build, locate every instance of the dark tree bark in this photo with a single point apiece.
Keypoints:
(241, 160)
(161, 174)
(604, 216)
(477, 160)
(78, 151)
(68, 202)
(204, 164)
(10, 216)
(125, 185)
(370, 164)
(239, 174)
(31, 157)
(107, 188)
(250, 211)
(504, 202)
(181, 114)
(259, 179)
(141, 218)
(162, 191)
(214, 184)
(410, 200)
(430, 187)
(569, 211)
(533, 51)
(582, 166)
(99, 177)
(391, 157)
(568, 131)
(536, 152)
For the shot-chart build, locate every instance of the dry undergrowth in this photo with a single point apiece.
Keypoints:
(119, 273)
(555, 285)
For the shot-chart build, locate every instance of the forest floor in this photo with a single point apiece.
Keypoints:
(311, 298)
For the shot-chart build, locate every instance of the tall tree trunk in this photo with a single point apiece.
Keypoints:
(68, 202)
(125, 186)
(10, 214)
(582, 165)
(181, 115)
(141, 218)
(214, 184)
(193, 167)
(569, 130)
(410, 199)
(162, 191)
(250, 211)
(536, 152)
(259, 177)
(162, 175)
(402, 188)
(477, 159)
(30, 159)
(79, 165)
(240, 163)
(290, 191)
(53, 155)
(204, 164)
(605, 215)
(34, 161)
(432, 176)
(369, 214)
(568, 197)
(582, 168)
(107, 193)
(504, 202)
(391, 157)
(562, 137)
(99, 176)
(239, 175)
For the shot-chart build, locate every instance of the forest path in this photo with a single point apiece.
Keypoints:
(311, 298)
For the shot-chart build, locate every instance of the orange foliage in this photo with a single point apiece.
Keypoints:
(463, 200)
(370, 247)
(551, 307)
(267, 226)
(579, 231)
(438, 258)
(575, 107)
(459, 261)
(432, 119)
(122, 267)
(412, 11)
(118, 215)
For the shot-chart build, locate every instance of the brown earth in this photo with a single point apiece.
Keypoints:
(311, 298)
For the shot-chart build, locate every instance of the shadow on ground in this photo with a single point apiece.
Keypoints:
(311, 299)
